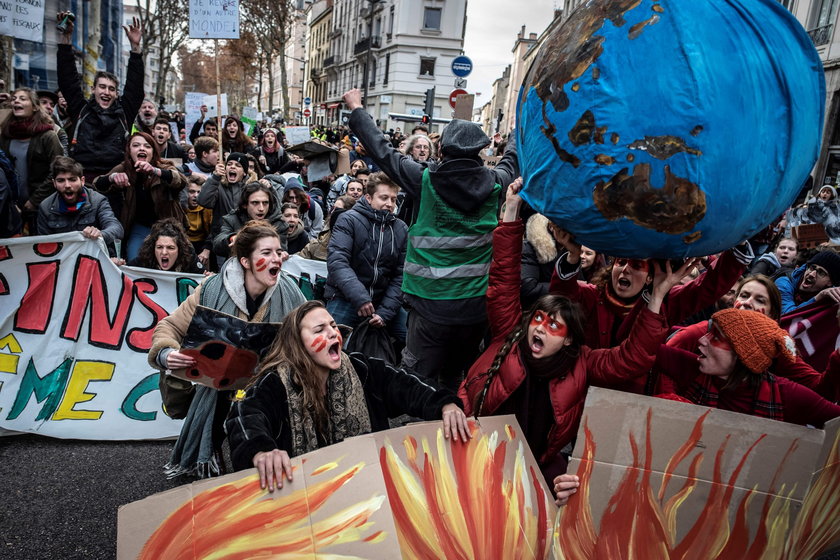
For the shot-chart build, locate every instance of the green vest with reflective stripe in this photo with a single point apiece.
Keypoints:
(449, 251)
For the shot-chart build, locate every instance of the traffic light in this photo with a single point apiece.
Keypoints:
(429, 106)
(425, 119)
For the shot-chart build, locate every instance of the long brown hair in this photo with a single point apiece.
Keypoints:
(154, 156)
(167, 227)
(39, 118)
(775, 311)
(288, 350)
(550, 304)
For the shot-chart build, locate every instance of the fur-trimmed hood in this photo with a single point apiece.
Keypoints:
(537, 234)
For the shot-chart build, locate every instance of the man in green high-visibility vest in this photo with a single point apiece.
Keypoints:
(449, 245)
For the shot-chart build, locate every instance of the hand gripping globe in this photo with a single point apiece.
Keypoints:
(670, 128)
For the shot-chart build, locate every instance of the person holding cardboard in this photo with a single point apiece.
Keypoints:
(250, 286)
(309, 394)
(536, 365)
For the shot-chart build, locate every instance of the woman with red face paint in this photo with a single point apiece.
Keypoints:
(611, 306)
(309, 394)
(250, 286)
(759, 293)
(537, 366)
(734, 371)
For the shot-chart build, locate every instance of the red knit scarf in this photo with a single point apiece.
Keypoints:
(618, 306)
(766, 402)
(21, 129)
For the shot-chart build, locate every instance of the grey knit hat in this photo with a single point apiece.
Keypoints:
(462, 138)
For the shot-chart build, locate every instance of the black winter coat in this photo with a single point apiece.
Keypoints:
(99, 142)
(365, 259)
(260, 421)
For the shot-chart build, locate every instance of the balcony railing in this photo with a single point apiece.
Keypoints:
(821, 35)
(329, 61)
(362, 46)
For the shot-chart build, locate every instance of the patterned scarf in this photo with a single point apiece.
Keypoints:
(766, 402)
(617, 305)
(346, 406)
(65, 209)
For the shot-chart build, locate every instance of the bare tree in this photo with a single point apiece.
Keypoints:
(270, 21)
(165, 27)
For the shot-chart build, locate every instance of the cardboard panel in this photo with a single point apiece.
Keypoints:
(661, 478)
(407, 493)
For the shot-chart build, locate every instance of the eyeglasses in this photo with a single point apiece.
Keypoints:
(552, 326)
(716, 337)
(818, 270)
(635, 264)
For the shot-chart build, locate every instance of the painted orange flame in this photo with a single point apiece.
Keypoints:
(454, 502)
(638, 523)
(237, 521)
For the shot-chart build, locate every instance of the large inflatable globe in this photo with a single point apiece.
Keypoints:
(670, 128)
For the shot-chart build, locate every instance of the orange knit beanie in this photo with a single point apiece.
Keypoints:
(756, 338)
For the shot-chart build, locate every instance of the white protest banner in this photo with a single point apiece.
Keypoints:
(75, 330)
(249, 119)
(74, 333)
(22, 19)
(214, 19)
(297, 134)
(212, 110)
(193, 100)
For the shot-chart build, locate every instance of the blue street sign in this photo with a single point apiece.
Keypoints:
(307, 101)
(462, 66)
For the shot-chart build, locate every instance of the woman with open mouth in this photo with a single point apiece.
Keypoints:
(27, 136)
(168, 248)
(536, 365)
(250, 286)
(734, 367)
(756, 293)
(310, 394)
(142, 190)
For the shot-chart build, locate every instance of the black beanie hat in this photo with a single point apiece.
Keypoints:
(830, 261)
(241, 158)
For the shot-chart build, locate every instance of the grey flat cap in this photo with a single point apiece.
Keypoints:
(462, 138)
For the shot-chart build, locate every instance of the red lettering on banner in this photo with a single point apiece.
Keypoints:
(140, 340)
(89, 288)
(5, 253)
(35, 311)
(47, 249)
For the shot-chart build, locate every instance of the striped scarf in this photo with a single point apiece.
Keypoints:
(766, 402)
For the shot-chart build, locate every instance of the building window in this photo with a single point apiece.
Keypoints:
(387, 69)
(390, 22)
(431, 18)
(427, 66)
(372, 81)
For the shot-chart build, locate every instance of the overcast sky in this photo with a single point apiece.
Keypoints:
(491, 31)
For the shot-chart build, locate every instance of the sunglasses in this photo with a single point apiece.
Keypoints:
(635, 264)
(716, 337)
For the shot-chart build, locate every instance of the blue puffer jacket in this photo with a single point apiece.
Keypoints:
(365, 259)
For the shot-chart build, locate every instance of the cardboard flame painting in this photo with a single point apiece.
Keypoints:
(663, 480)
(402, 493)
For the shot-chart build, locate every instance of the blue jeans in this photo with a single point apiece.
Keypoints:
(345, 314)
(135, 240)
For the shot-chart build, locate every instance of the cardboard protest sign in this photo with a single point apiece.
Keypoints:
(212, 102)
(226, 349)
(297, 134)
(193, 100)
(22, 19)
(75, 331)
(214, 19)
(402, 493)
(661, 478)
(815, 331)
(249, 119)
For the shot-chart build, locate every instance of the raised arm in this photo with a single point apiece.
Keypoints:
(504, 306)
(401, 168)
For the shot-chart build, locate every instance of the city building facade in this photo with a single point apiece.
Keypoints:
(407, 46)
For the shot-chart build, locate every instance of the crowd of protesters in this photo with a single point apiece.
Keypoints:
(490, 307)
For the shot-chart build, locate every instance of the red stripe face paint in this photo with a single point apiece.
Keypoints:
(261, 265)
(319, 343)
(552, 326)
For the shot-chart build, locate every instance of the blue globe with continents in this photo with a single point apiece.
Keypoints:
(670, 128)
